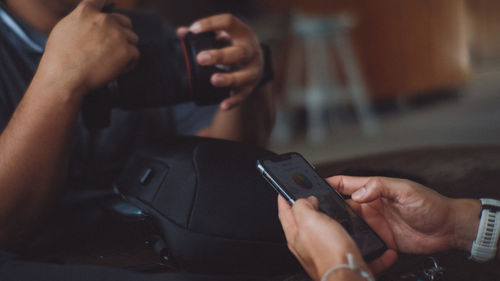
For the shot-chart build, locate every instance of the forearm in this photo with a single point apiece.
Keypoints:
(251, 122)
(34, 150)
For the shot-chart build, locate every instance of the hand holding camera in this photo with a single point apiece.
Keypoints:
(91, 48)
(88, 48)
(244, 54)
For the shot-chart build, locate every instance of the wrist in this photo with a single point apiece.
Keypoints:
(467, 214)
(335, 258)
(58, 77)
(65, 91)
(326, 263)
(349, 270)
(345, 275)
(64, 79)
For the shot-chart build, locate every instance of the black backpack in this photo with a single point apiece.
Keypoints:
(215, 212)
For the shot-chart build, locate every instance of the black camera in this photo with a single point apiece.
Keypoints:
(170, 75)
(167, 73)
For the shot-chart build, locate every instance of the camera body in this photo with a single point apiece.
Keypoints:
(170, 74)
(167, 73)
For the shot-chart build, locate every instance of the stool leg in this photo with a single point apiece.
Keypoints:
(284, 129)
(317, 93)
(355, 85)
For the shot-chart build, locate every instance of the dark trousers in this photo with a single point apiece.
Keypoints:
(12, 269)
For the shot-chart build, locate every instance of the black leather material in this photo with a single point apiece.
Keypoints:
(215, 211)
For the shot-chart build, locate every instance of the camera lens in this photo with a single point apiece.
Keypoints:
(167, 73)
(203, 92)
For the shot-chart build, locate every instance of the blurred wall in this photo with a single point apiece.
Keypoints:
(405, 47)
(485, 29)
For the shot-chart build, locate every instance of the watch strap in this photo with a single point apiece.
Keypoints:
(484, 248)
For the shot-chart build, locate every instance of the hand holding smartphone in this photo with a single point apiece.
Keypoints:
(294, 178)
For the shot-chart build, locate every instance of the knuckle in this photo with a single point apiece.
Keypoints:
(134, 38)
(341, 185)
(245, 52)
(126, 20)
(83, 7)
(300, 203)
(246, 29)
(101, 19)
(134, 53)
(137, 39)
(407, 182)
(228, 19)
(377, 182)
(116, 35)
(230, 80)
(108, 19)
(255, 73)
(408, 185)
(236, 81)
(370, 183)
(218, 56)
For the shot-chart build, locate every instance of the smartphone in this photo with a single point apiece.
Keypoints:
(294, 178)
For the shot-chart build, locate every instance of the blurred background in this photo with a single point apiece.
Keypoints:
(359, 77)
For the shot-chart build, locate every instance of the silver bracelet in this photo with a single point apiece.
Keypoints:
(350, 266)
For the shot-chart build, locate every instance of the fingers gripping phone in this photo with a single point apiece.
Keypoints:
(294, 178)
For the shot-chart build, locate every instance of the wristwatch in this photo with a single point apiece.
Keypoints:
(484, 248)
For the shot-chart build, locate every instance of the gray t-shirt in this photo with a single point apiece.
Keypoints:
(21, 47)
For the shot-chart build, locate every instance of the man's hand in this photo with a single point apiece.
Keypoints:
(410, 217)
(84, 51)
(244, 53)
(318, 241)
(88, 48)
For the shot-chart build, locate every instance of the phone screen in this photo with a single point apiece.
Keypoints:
(294, 178)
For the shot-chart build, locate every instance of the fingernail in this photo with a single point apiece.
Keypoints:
(204, 58)
(359, 193)
(225, 106)
(195, 27)
(219, 80)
